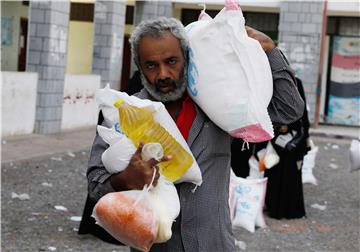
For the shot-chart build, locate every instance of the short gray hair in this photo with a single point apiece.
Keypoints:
(156, 28)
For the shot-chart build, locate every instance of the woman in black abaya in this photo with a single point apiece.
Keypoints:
(284, 195)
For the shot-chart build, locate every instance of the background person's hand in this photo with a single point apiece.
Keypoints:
(265, 41)
(137, 173)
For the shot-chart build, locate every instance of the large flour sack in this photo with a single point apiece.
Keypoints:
(229, 75)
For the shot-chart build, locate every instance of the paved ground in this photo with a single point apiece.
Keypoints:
(24, 147)
(58, 179)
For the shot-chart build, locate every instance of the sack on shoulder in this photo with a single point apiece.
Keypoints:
(229, 75)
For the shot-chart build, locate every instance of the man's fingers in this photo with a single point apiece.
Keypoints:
(166, 158)
(152, 162)
(249, 30)
(139, 149)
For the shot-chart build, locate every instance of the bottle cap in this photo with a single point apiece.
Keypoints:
(118, 102)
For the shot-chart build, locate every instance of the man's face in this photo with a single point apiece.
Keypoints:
(162, 65)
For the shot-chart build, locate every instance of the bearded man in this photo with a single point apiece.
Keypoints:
(160, 49)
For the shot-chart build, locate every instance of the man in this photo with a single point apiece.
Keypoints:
(159, 48)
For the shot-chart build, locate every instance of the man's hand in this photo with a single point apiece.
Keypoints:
(265, 41)
(137, 173)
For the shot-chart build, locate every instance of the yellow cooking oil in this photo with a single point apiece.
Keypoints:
(139, 125)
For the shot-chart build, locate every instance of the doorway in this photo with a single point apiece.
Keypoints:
(22, 44)
(126, 64)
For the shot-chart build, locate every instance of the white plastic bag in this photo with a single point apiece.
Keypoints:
(249, 198)
(163, 196)
(271, 157)
(254, 171)
(106, 98)
(355, 155)
(129, 217)
(166, 202)
(229, 75)
(163, 200)
(117, 157)
(268, 158)
(308, 165)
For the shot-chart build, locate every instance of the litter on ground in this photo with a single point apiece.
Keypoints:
(23, 196)
(56, 158)
(317, 206)
(240, 244)
(61, 208)
(75, 218)
(333, 166)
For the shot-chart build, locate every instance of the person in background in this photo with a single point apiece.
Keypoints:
(134, 84)
(284, 194)
(279, 109)
(160, 51)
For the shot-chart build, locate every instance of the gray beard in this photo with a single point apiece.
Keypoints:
(166, 97)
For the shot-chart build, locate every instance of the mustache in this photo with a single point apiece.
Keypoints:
(167, 81)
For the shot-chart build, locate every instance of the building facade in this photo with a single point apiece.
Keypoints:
(68, 42)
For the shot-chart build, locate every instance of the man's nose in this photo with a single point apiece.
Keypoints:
(164, 72)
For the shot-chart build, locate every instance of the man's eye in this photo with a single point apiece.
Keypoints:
(150, 66)
(172, 61)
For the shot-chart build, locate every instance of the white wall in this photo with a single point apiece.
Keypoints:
(79, 106)
(18, 102)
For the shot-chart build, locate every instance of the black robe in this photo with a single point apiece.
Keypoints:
(284, 194)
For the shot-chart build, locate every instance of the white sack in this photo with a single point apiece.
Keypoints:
(249, 200)
(117, 157)
(355, 155)
(308, 166)
(229, 75)
(106, 98)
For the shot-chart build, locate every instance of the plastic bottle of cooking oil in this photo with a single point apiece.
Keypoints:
(139, 125)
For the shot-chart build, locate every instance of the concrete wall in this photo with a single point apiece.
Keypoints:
(47, 55)
(10, 53)
(18, 102)
(151, 9)
(300, 26)
(79, 106)
(19, 91)
(109, 23)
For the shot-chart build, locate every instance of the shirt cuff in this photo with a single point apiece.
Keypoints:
(277, 60)
(107, 186)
